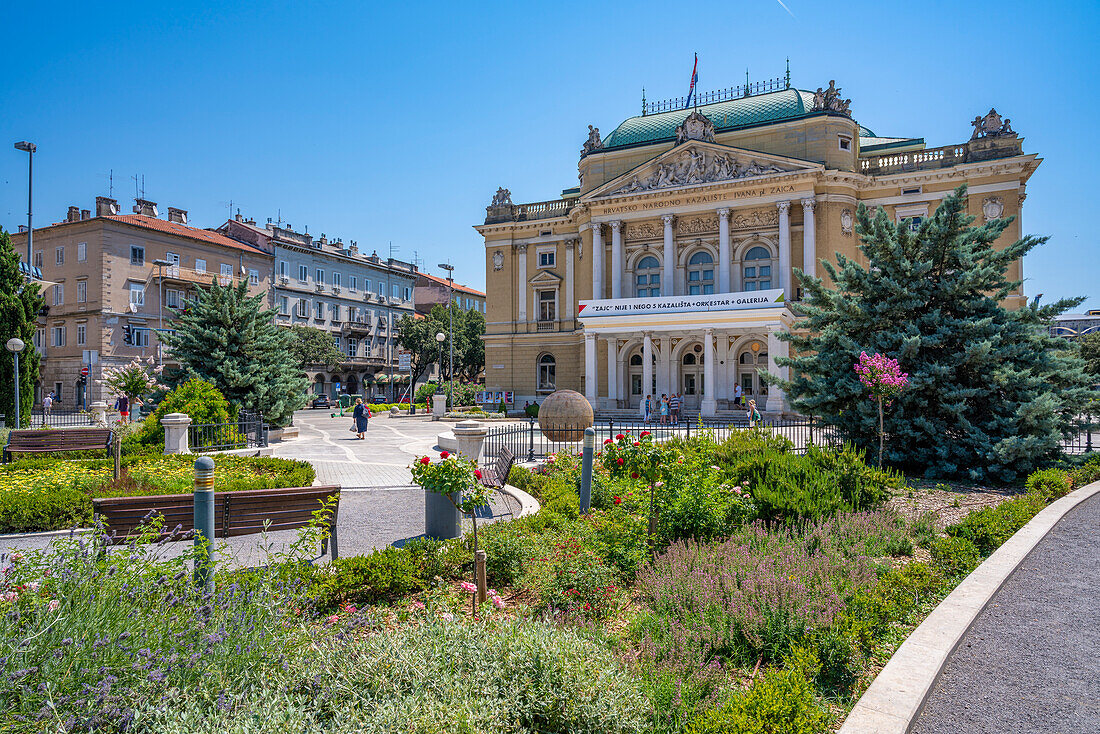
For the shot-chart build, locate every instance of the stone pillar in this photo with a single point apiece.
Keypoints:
(616, 259)
(809, 238)
(439, 405)
(591, 381)
(663, 385)
(612, 373)
(569, 307)
(521, 286)
(175, 433)
(721, 364)
(724, 251)
(99, 413)
(777, 399)
(709, 405)
(647, 366)
(668, 283)
(597, 260)
(785, 247)
(470, 436)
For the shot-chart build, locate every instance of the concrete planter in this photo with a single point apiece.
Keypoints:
(441, 518)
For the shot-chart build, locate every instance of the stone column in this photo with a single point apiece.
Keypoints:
(616, 259)
(777, 399)
(439, 405)
(663, 384)
(175, 433)
(590, 378)
(521, 269)
(99, 413)
(569, 307)
(470, 436)
(809, 238)
(724, 251)
(647, 366)
(668, 284)
(709, 406)
(721, 364)
(597, 260)
(612, 373)
(785, 247)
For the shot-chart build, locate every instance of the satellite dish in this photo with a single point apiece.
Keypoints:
(133, 308)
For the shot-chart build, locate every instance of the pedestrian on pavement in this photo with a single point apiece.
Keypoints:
(753, 415)
(123, 407)
(47, 404)
(664, 409)
(738, 394)
(361, 415)
(674, 407)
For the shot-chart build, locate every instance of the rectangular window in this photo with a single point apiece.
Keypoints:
(283, 269)
(200, 266)
(284, 305)
(81, 334)
(303, 274)
(336, 342)
(172, 298)
(137, 255)
(353, 282)
(253, 277)
(303, 308)
(395, 290)
(137, 294)
(546, 258)
(381, 288)
(407, 294)
(81, 251)
(336, 312)
(141, 337)
(336, 279)
(81, 291)
(320, 276)
(353, 346)
(366, 285)
(57, 387)
(60, 255)
(59, 294)
(912, 190)
(38, 258)
(319, 310)
(547, 309)
(844, 142)
(226, 272)
(39, 338)
(58, 336)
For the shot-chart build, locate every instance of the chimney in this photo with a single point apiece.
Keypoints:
(105, 207)
(179, 216)
(353, 248)
(239, 218)
(85, 214)
(73, 214)
(146, 207)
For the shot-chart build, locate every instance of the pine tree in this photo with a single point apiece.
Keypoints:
(227, 338)
(20, 303)
(991, 393)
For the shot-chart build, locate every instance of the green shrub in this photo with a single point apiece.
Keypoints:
(572, 578)
(871, 612)
(620, 539)
(507, 546)
(444, 559)
(782, 701)
(955, 556)
(383, 575)
(200, 400)
(989, 527)
(1088, 472)
(56, 508)
(1050, 484)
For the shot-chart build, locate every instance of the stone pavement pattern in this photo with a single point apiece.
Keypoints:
(1031, 660)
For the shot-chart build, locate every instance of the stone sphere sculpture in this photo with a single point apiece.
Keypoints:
(564, 415)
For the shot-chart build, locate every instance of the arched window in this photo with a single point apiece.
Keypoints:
(754, 357)
(689, 358)
(700, 274)
(547, 376)
(647, 277)
(758, 269)
(636, 360)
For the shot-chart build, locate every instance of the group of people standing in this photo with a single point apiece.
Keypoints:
(665, 409)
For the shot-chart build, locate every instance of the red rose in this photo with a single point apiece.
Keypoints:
(425, 460)
(633, 475)
(618, 500)
(619, 437)
(443, 454)
(637, 443)
(620, 461)
(643, 434)
(477, 473)
(606, 441)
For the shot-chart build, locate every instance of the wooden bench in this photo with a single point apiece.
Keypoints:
(235, 513)
(46, 441)
(496, 476)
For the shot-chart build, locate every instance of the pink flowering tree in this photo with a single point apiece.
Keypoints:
(883, 378)
(134, 380)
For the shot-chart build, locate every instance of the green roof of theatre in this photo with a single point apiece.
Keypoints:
(760, 109)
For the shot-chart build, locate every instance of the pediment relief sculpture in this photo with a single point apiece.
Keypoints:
(755, 219)
(695, 166)
(695, 126)
(644, 231)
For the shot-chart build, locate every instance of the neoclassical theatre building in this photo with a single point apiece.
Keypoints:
(669, 269)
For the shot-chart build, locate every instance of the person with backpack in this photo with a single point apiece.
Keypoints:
(361, 417)
(754, 415)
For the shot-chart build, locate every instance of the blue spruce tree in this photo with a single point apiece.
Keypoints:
(991, 393)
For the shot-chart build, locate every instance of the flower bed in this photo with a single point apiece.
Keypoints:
(49, 494)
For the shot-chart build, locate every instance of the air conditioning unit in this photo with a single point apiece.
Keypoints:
(335, 289)
(283, 280)
(320, 287)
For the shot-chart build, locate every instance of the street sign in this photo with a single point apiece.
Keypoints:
(83, 371)
(404, 361)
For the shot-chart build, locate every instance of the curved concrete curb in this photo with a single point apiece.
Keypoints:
(895, 698)
(528, 505)
(447, 441)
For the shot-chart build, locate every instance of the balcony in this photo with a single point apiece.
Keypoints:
(527, 212)
(547, 326)
(190, 276)
(355, 327)
(930, 159)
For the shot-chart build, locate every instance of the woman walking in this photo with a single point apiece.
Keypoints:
(753, 414)
(361, 415)
(664, 409)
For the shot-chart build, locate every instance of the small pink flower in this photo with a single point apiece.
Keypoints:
(332, 619)
(33, 586)
(497, 602)
(468, 587)
(10, 596)
(447, 617)
(417, 604)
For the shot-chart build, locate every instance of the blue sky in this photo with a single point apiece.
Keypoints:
(397, 122)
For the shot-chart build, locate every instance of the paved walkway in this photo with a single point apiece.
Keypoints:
(1031, 660)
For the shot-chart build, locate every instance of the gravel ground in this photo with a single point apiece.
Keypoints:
(1031, 661)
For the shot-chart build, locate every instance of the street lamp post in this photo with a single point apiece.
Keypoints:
(451, 315)
(15, 346)
(160, 263)
(30, 148)
(440, 337)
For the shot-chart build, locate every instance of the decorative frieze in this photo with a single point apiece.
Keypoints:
(644, 231)
(697, 225)
(755, 219)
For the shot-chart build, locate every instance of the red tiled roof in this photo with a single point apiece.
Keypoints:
(181, 230)
(457, 286)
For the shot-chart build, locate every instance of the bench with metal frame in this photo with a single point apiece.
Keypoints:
(52, 440)
(496, 476)
(235, 513)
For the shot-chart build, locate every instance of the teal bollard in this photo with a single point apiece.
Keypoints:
(586, 470)
(204, 523)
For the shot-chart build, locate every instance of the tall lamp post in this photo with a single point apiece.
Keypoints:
(440, 337)
(451, 328)
(30, 148)
(160, 263)
(15, 346)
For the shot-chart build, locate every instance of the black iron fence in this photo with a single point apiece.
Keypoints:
(247, 432)
(1087, 440)
(529, 443)
(61, 419)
